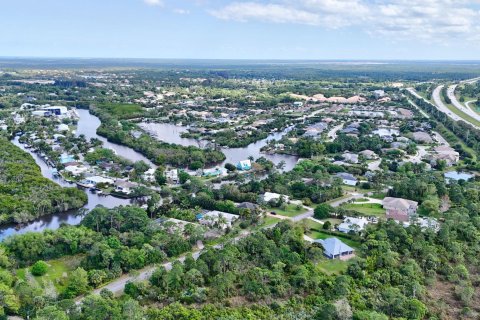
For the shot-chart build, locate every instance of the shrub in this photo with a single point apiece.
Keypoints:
(39, 268)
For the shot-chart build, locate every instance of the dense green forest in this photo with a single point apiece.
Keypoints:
(25, 194)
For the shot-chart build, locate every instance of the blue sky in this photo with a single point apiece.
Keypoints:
(229, 29)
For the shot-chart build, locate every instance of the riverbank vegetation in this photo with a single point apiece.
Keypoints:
(123, 132)
(25, 194)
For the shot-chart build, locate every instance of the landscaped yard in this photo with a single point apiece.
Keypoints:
(57, 271)
(371, 209)
(333, 266)
(291, 210)
(268, 221)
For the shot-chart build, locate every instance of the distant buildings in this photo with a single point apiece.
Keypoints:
(379, 94)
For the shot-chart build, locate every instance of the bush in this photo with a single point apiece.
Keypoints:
(39, 268)
(323, 211)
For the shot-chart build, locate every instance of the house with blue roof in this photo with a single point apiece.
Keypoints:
(244, 165)
(334, 248)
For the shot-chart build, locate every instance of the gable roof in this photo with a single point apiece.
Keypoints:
(334, 246)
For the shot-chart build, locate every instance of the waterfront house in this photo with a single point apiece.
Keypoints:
(215, 172)
(123, 186)
(244, 165)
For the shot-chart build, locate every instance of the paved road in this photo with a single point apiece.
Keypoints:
(352, 195)
(332, 134)
(302, 216)
(451, 94)
(117, 286)
(441, 106)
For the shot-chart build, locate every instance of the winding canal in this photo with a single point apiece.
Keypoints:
(172, 134)
(87, 125)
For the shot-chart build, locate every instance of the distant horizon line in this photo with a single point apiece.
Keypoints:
(237, 59)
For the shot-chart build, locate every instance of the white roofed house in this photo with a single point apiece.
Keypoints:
(123, 186)
(351, 224)
(269, 196)
(334, 248)
(368, 154)
(347, 178)
(445, 153)
(350, 157)
(172, 176)
(222, 220)
(93, 181)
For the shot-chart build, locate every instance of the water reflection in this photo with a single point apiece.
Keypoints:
(171, 133)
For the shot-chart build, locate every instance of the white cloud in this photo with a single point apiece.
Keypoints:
(420, 19)
(181, 11)
(158, 3)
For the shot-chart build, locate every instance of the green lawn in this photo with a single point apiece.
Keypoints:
(290, 210)
(57, 271)
(123, 110)
(371, 209)
(333, 266)
(268, 221)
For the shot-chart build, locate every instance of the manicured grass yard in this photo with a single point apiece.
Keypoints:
(333, 266)
(269, 221)
(371, 209)
(57, 271)
(290, 210)
(123, 110)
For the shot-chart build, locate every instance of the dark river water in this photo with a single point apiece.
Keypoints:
(87, 125)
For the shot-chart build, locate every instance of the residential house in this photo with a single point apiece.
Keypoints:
(334, 248)
(172, 176)
(215, 172)
(350, 157)
(93, 181)
(248, 205)
(379, 94)
(220, 219)
(399, 209)
(123, 186)
(446, 153)
(352, 224)
(269, 196)
(244, 165)
(368, 154)
(347, 178)
(149, 175)
(422, 137)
